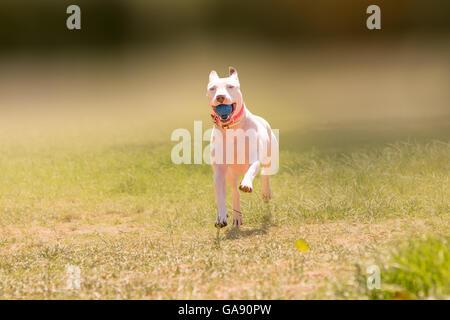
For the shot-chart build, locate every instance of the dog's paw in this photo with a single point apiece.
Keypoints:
(237, 219)
(221, 222)
(246, 187)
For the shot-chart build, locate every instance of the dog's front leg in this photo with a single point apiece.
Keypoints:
(232, 179)
(220, 172)
(247, 182)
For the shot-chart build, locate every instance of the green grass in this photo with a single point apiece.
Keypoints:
(90, 183)
(139, 227)
(415, 269)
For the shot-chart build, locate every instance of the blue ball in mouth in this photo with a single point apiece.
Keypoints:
(224, 110)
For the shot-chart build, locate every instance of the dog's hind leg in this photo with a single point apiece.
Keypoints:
(232, 180)
(265, 188)
(270, 165)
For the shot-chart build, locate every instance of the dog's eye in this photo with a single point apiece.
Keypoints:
(212, 88)
(230, 87)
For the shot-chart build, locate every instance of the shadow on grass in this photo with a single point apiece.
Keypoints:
(236, 233)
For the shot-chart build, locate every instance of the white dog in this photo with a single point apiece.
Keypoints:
(241, 143)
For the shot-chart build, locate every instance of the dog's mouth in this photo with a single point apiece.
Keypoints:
(225, 111)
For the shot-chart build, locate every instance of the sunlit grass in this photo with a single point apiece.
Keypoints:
(140, 227)
(415, 269)
(97, 188)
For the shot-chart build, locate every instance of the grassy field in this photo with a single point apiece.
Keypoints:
(96, 189)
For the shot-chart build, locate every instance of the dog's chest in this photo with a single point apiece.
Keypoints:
(234, 148)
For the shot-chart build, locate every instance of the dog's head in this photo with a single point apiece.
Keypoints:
(224, 91)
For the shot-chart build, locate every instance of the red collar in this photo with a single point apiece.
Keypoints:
(233, 121)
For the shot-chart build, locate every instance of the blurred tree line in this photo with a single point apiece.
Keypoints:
(41, 25)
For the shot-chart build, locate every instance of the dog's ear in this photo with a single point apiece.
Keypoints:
(213, 75)
(233, 72)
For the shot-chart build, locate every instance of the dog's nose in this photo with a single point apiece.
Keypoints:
(220, 98)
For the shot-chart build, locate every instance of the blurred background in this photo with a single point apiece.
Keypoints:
(311, 68)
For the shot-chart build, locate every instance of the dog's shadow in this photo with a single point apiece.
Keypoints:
(236, 233)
